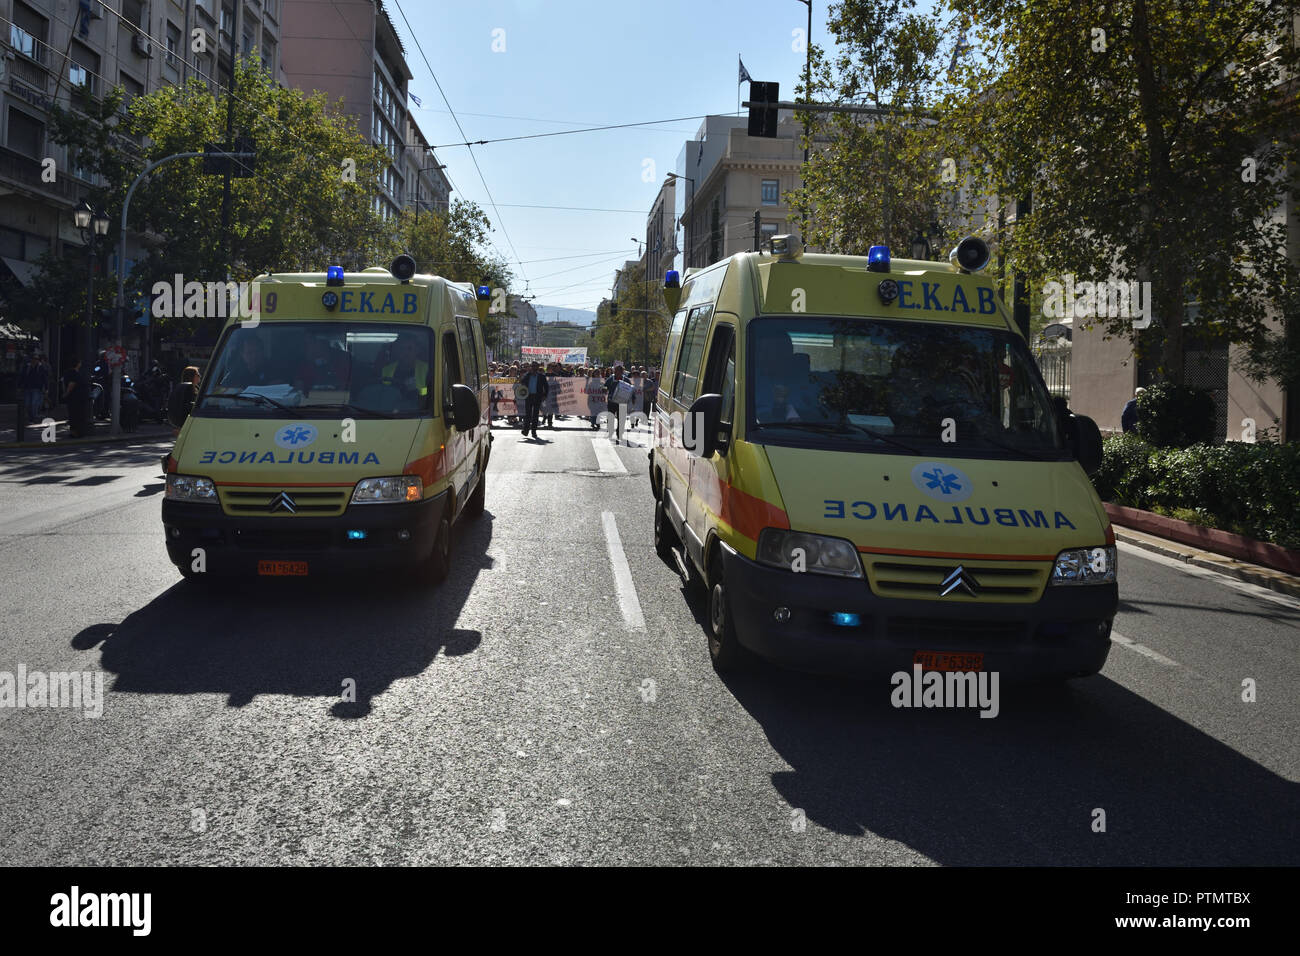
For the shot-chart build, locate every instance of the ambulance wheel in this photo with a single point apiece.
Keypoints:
(474, 506)
(724, 647)
(439, 563)
(665, 537)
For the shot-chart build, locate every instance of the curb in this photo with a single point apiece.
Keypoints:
(82, 442)
(1250, 573)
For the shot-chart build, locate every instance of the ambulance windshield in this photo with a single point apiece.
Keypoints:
(897, 386)
(320, 369)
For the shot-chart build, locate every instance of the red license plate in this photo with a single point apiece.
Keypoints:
(277, 568)
(948, 661)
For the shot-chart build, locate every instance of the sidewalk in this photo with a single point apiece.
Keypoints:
(1242, 570)
(145, 432)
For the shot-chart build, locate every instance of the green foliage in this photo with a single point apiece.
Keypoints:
(641, 320)
(1246, 488)
(1131, 123)
(1175, 416)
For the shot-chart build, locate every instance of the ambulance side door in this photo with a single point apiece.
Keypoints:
(456, 459)
(684, 391)
(710, 476)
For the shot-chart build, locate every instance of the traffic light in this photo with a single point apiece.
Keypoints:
(762, 118)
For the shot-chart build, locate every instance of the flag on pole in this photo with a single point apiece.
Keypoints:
(415, 99)
(744, 73)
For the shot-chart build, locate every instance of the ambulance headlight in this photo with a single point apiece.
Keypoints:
(815, 553)
(1085, 566)
(190, 488)
(383, 490)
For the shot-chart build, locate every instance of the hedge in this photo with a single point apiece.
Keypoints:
(1250, 489)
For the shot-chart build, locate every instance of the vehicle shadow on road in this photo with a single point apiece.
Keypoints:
(1023, 788)
(343, 638)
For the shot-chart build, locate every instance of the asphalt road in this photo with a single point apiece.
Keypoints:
(519, 714)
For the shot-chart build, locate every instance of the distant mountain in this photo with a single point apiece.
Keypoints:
(555, 313)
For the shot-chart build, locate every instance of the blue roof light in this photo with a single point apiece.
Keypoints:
(334, 275)
(672, 280)
(484, 292)
(878, 259)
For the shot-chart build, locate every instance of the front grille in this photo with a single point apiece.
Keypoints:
(311, 502)
(914, 578)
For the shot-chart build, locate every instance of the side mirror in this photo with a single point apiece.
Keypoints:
(703, 422)
(464, 407)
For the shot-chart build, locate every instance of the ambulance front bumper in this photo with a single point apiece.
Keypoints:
(393, 536)
(837, 625)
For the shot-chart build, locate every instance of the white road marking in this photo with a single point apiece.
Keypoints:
(1117, 638)
(607, 457)
(628, 602)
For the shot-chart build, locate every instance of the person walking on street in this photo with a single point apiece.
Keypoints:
(535, 381)
(615, 388)
(76, 394)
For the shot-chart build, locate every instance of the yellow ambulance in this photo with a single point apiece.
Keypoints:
(342, 425)
(859, 459)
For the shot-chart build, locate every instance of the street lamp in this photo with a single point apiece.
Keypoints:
(921, 243)
(91, 223)
(690, 222)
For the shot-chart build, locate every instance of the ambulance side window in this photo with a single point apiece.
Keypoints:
(693, 339)
(721, 375)
(468, 352)
(670, 354)
(450, 367)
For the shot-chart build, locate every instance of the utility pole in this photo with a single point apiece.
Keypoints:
(230, 142)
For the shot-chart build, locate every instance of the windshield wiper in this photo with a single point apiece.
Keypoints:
(250, 397)
(349, 407)
(840, 428)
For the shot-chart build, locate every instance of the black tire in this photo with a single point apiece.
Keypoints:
(665, 537)
(724, 647)
(474, 505)
(439, 563)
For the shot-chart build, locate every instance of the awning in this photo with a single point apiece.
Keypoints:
(23, 271)
(11, 332)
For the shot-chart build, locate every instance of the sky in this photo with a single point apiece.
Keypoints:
(567, 65)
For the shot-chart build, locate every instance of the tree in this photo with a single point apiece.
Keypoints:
(641, 320)
(871, 179)
(1156, 139)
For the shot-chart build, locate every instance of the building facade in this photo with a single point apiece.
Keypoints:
(350, 51)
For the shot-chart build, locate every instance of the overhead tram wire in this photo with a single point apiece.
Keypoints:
(505, 232)
(568, 132)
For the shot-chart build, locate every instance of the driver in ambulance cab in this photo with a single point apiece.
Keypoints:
(409, 372)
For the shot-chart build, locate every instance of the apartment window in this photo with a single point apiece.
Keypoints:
(227, 19)
(132, 86)
(768, 230)
(28, 32)
(133, 12)
(247, 44)
(25, 134)
(83, 67)
(173, 42)
(771, 192)
(268, 52)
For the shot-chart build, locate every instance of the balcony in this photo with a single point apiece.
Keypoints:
(25, 172)
(30, 73)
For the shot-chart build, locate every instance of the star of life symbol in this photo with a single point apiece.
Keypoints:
(946, 482)
(296, 435)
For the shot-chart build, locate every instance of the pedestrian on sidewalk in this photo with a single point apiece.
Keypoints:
(34, 381)
(181, 400)
(76, 395)
(1128, 418)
